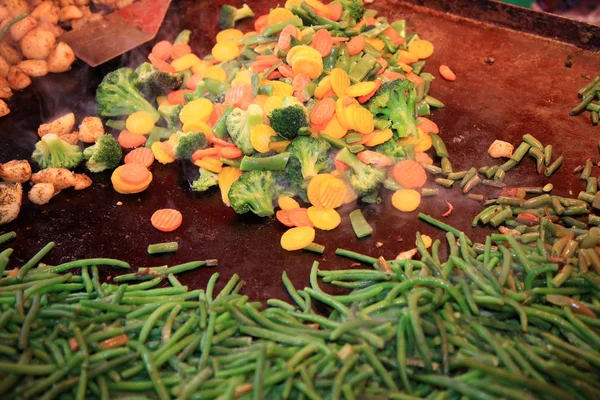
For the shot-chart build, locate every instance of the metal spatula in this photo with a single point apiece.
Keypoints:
(117, 32)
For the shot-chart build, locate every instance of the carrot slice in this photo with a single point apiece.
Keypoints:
(428, 126)
(193, 81)
(421, 157)
(163, 50)
(219, 142)
(322, 42)
(364, 98)
(133, 174)
(374, 158)
(230, 152)
(166, 219)
(161, 64)
(392, 75)
(141, 155)
(339, 39)
(415, 79)
(239, 95)
(447, 73)
(130, 140)
(180, 50)
(285, 37)
(384, 65)
(261, 23)
(199, 154)
(176, 96)
(336, 11)
(409, 174)
(323, 111)
(286, 71)
(356, 45)
(299, 217)
(366, 138)
(283, 216)
(274, 75)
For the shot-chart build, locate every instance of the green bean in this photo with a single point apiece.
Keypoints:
(454, 385)
(456, 176)
(439, 146)
(151, 369)
(355, 256)
(35, 260)
(7, 236)
(444, 182)
(359, 224)
(533, 142)
(29, 319)
(471, 173)
(554, 166)
(167, 247)
(441, 225)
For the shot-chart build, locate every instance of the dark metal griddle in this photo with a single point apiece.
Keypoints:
(527, 89)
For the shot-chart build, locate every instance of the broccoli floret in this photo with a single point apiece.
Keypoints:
(255, 191)
(205, 181)
(393, 103)
(170, 113)
(188, 143)
(229, 15)
(151, 82)
(53, 152)
(104, 154)
(308, 157)
(117, 96)
(288, 119)
(364, 179)
(354, 7)
(392, 149)
(239, 125)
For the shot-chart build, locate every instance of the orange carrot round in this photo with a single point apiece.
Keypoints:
(286, 71)
(322, 42)
(193, 81)
(261, 23)
(336, 10)
(141, 155)
(374, 158)
(285, 37)
(428, 126)
(160, 64)
(176, 96)
(219, 142)
(130, 140)
(356, 45)
(239, 95)
(421, 157)
(447, 73)
(133, 174)
(284, 217)
(180, 50)
(323, 111)
(166, 219)
(199, 154)
(299, 217)
(230, 152)
(409, 174)
(163, 50)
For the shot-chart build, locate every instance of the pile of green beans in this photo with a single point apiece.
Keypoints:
(507, 318)
(588, 94)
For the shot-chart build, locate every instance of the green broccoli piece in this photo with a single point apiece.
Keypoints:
(364, 179)
(104, 154)
(288, 119)
(229, 15)
(239, 126)
(151, 82)
(170, 114)
(392, 149)
(309, 156)
(205, 181)
(392, 102)
(53, 152)
(117, 96)
(188, 143)
(354, 7)
(255, 191)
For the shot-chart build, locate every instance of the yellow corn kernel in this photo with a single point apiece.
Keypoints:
(217, 73)
(185, 62)
(140, 123)
(287, 203)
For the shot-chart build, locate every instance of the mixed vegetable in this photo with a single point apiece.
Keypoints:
(588, 93)
(323, 103)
